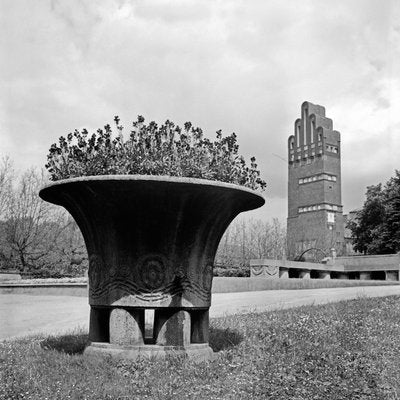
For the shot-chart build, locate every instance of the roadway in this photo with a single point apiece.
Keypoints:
(22, 315)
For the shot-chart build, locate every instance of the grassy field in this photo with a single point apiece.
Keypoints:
(346, 350)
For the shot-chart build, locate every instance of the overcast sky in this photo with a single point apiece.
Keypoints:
(239, 66)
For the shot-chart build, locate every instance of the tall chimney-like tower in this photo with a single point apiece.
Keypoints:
(315, 214)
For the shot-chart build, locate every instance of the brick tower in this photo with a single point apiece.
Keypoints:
(315, 215)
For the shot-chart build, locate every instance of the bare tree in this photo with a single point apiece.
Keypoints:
(33, 229)
(6, 176)
(248, 238)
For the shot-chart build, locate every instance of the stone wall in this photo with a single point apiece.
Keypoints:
(220, 285)
(377, 267)
(9, 276)
(370, 263)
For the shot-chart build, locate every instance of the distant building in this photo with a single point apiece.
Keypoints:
(315, 211)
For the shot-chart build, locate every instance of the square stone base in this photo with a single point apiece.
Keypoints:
(197, 352)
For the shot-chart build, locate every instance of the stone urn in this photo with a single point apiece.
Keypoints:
(151, 243)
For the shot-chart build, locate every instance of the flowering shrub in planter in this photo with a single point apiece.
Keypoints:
(152, 150)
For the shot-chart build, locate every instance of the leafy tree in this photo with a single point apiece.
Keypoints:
(153, 150)
(392, 217)
(376, 228)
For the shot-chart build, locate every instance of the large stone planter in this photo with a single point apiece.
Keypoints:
(151, 243)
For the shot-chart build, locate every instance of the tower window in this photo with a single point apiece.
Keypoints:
(312, 131)
(331, 208)
(332, 149)
(331, 217)
(298, 135)
(317, 177)
(330, 177)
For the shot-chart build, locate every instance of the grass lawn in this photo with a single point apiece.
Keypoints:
(346, 350)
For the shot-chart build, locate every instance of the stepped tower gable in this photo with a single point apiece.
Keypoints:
(315, 217)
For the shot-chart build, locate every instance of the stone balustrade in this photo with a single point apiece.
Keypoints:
(376, 267)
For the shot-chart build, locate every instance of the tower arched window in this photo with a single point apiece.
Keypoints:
(298, 135)
(312, 131)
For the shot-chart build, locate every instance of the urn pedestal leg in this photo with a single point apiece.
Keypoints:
(172, 328)
(99, 324)
(127, 327)
(200, 326)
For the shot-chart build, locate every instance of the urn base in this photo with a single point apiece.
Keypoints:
(197, 352)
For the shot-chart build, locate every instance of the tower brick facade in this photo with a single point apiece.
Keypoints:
(315, 212)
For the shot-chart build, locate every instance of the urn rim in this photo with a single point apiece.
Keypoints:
(151, 178)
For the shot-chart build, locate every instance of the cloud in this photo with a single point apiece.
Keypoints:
(182, 11)
(239, 66)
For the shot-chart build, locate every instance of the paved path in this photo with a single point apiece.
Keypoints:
(21, 315)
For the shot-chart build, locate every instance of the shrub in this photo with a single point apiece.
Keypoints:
(240, 271)
(152, 150)
(47, 274)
